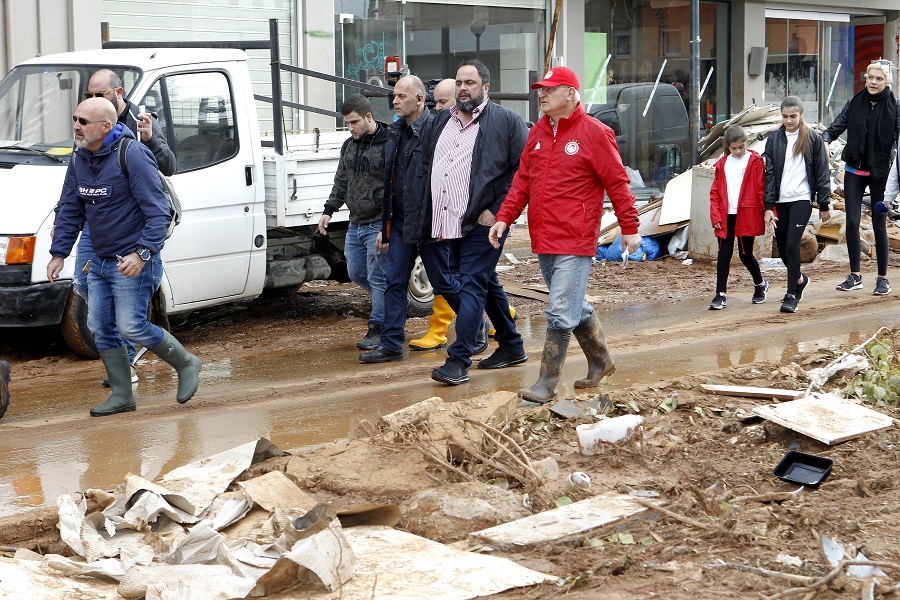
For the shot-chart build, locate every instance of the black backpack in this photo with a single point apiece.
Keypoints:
(168, 188)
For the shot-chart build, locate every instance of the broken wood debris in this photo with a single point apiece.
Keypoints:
(752, 392)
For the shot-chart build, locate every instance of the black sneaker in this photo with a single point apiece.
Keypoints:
(759, 292)
(372, 337)
(853, 282)
(4, 387)
(503, 357)
(801, 286)
(718, 303)
(882, 287)
(789, 304)
(453, 372)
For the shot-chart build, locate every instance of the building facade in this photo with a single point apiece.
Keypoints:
(751, 51)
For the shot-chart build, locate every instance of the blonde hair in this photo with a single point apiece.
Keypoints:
(883, 66)
(803, 132)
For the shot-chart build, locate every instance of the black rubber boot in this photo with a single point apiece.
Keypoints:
(591, 339)
(373, 336)
(118, 370)
(185, 364)
(552, 361)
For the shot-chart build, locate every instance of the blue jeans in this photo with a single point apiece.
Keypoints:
(84, 252)
(471, 288)
(365, 265)
(117, 306)
(398, 266)
(566, 276)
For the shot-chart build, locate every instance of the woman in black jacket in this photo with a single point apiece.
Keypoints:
(872, 121)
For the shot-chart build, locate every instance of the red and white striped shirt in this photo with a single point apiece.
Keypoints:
(450, 173)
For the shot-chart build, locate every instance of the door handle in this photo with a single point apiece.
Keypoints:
(248, 175)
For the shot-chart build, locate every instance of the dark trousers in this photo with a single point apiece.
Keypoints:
(472, 289)
(726, 251)
(792, 220)
(854, 186)
(401, 258)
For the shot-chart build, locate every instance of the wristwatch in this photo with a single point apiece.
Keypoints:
(143, 253)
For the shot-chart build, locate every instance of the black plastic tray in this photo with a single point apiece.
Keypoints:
(804, 469)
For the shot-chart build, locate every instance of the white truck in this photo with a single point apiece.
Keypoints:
(249, 213)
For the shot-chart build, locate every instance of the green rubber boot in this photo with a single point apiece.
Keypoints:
(185, 364)
(555, 347)
(590, 337)
(118, 370)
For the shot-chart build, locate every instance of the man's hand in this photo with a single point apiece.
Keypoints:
(54, 267)
(771, 219)
(131, 265)
(631, 242)
(824, 215)
(486, 218)
(324, 220)
(718, 225)
(379, 246)
(144, 127)
(496, 232)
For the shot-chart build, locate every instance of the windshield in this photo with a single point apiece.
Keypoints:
(37, 103)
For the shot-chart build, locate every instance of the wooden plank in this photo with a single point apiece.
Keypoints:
(514, 289)
(825, 417)
(566, 521)
(752, 392)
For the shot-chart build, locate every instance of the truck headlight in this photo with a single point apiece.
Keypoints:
(17, 250)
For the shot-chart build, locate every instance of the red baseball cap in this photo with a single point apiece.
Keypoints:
(557, 76)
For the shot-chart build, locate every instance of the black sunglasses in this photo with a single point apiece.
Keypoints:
(84, 121)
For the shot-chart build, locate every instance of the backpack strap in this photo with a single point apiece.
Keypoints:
(123, 155)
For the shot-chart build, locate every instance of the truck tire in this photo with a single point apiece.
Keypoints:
(420, 294)
(74, 327)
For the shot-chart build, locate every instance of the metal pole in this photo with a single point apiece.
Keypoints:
(695, 121)
(275, 62)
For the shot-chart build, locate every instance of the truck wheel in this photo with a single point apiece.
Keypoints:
(74, 327)
(419, 293)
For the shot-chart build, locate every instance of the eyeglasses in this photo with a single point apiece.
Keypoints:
(98, 94)
(84, 121)
(883, 62)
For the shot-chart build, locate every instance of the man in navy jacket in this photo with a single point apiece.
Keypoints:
(128, 217)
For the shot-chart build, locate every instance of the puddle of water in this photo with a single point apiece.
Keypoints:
(100, 452)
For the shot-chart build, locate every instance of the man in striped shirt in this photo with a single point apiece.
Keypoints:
(474, 152)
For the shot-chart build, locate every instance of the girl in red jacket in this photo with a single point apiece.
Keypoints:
(736, 211)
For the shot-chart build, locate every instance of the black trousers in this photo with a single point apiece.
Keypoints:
(726, 251)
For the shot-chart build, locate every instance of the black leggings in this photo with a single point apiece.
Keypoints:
(726, 251)
(792, 220)
(854, 186)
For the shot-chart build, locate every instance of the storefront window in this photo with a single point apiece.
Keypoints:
(430, 39)
(821, 61)
(627, 46)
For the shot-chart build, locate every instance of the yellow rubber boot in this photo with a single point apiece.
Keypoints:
(512, 313)
(441, 317)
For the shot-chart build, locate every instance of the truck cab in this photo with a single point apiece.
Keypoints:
(236, 196)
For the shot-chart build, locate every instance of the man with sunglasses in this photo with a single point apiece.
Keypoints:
(128, 216)
(106, 83)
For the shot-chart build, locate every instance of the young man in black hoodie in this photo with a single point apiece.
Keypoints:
(359, 183)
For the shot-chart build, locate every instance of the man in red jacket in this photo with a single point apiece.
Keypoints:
(569, 160)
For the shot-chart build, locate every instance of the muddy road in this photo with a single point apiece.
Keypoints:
(287, 368)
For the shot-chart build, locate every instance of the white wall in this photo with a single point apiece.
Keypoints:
(30, 28)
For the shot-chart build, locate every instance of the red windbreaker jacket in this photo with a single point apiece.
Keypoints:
(751, 209)
(562, 180)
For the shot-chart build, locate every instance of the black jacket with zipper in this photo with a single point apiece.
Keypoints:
(817, 174)
(495, 159)
(359, 179)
